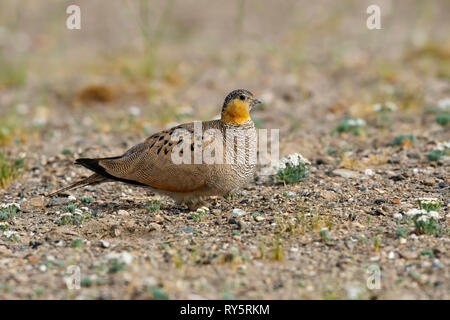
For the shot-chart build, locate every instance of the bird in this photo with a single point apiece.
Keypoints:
(166, 161)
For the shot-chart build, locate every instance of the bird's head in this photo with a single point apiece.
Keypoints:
(237, 105)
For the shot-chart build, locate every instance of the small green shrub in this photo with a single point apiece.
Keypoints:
(443, 119)
(292, 169)
(153, 205)
(353, 125)
(199, 214)
(9, 169)
(9, 210)
(442, 149)
(400, 140)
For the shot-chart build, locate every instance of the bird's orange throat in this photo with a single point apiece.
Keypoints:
(236, 111)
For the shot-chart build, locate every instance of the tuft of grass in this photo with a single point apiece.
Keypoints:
(11, 235)
(429, 226)
(8, 211)
(14, 73)
(66, 151)
(9, 169)
(426, 252)
(101, 93)
(158, 293)
(277, 250)
(75, 219)
(435, 155)
(71, 207)
(376, 243)
(4, 226)
(429, 204)
(384, 111)
(199, 214)
(230, 195)
(443, 119)
(77, 243)
(153, 205)
(353, 125)
(442, 149)
(152, 38)
(115, 266)
(325, 234)
(11, 128)
(86, 200)
(402, 231)
(86, 282)
(426, 218)
(291, 169)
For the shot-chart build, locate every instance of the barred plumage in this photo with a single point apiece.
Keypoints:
(151, 163)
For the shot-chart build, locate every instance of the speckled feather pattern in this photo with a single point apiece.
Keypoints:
(150, 163)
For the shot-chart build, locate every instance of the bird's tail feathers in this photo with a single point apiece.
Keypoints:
(91, 180)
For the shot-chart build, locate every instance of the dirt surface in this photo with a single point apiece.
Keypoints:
(314, 65)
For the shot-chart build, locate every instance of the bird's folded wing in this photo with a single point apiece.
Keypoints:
(150, 163)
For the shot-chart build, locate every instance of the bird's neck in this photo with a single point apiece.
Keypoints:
(236, 112)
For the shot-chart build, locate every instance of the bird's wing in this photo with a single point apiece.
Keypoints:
(151, 163)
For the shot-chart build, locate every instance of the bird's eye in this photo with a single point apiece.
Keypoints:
(242, 97)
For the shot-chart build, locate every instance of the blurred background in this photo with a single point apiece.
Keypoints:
(368, 108)
(139, 66)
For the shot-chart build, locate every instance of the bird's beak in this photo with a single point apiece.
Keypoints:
(256, 102)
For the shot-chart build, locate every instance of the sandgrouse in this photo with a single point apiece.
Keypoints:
(190, 161)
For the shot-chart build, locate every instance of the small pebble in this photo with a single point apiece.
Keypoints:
(104, 244)
(237, 212)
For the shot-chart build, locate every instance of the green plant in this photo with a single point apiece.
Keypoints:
(376, 243)
(353, 125)
(401, 140)
(86, 200)
(11, 235)
(426, 225)
(402, 231)
(442, 149)
(9, 210)
(443, 118)
(429, 204)
(9, 169)
(4, 226)
(14, 72)
(77, 243)
(426, 252)
(115, 265)
(292, 169)
(230, 195)
(384, 110)
(199, 214)
(86, 282)
(73, 215)
(425, 221)
(152, 39)
(158, 293)
(325, 234)
(12, 127)
(153, 205)
(435, 155)
(277, 250)
(66, 151)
